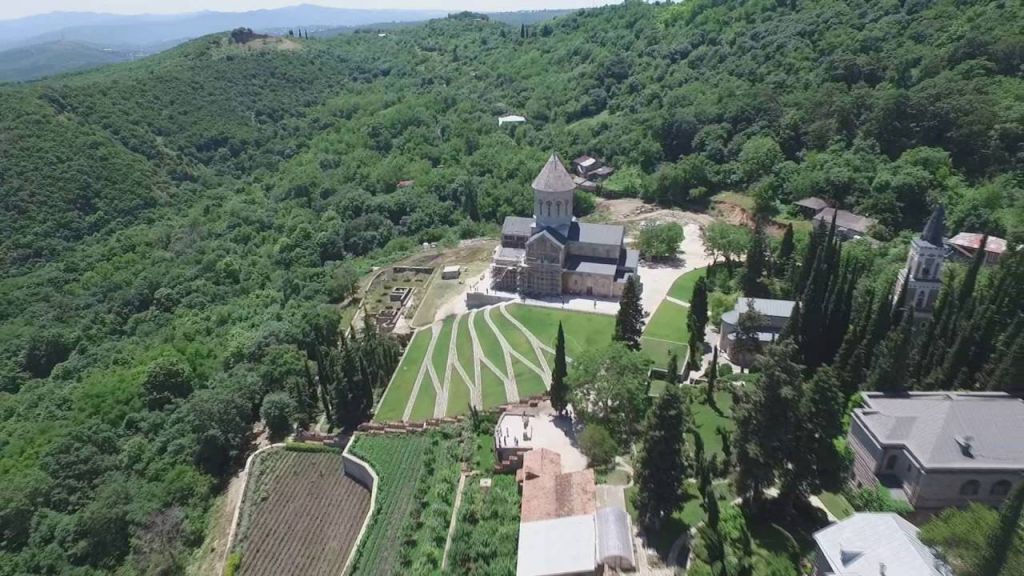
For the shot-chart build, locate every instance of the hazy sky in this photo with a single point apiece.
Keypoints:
(16, 9)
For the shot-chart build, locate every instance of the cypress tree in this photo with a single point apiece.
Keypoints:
(700, 463)
(785, 255)
(697, 316)
(629, 322)
(712, 378)
(814, 244)
(792, 330)
(672, 370)
(890, 371)
(1006, 367)
(994, 558)
(754, 266)
(559, 388)
(661, 464)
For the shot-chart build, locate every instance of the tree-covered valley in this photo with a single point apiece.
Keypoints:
(175, 232)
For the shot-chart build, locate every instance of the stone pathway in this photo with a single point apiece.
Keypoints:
(511, 390)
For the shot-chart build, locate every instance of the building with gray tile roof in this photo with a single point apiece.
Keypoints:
(552, 253)
(848, 224)
(774, 316)
(939, 449)
(874, 543)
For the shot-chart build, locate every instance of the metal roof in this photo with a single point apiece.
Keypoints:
(629, 259)
(845, 219)
(587, 233)
(517, 226)
(557, 546)
(766, 306)
(585, 265)
(980, 430)
(614, 538)
(972, 240)
(553, 177)
(867, 543)
(812, 202)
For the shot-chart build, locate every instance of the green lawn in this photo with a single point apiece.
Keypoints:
(492, 389)
(682, 288)
(519, 342)
(458, 394)
(393, 405)
(583, 330)
(708, 420)
(444, 339)
(665, 333)
(836, 504)
(423, 407)
(489, 342)
(528, 382)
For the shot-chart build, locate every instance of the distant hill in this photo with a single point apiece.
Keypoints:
(146, 31)
(49, 58)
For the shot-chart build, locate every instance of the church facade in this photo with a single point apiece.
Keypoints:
(921, 278)
(552, 253)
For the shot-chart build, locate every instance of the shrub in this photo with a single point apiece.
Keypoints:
(277, 411)
(233, 563)
(720, 304)
(310, 447)
(876, 499)
(598, 446)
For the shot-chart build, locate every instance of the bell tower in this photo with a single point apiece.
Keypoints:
(553, 191)
(923, 273)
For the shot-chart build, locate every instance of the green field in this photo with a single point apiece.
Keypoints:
(682, 288)
(583, 330)
(397, 395)
(666, 332)
(707, 420)
(418, 475)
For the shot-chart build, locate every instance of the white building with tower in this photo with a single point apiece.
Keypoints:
(922, 275)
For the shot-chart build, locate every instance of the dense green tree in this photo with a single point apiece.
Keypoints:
(997, 554)
(277, 411)
(722, 240)
(559, 387)
(755, 264)
(661, 463)
(672, 369)
(712, 378)
(784, 255)
(659, 241)
(166, 379)
(609, 387)
(891, 366)
(629, 322)
(598, 446)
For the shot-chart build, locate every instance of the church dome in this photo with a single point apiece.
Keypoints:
(554, 177)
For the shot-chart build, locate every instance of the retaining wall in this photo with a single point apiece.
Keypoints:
(481, 299)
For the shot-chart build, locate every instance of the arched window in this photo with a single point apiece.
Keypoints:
(919, 304)
(549, 207)
(1001, 488)
(558, 207)
(890, 462)
(970, 488)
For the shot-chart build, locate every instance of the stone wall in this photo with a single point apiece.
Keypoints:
(481, 299)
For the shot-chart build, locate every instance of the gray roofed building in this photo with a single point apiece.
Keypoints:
(553, 177)
(587, 233)
(517, 226)
(869, 544)
(561, 255)
(938, 449)
(774, 317)
(812, 203)
(848, 224)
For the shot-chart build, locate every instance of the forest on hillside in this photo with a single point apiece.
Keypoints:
(174, 231)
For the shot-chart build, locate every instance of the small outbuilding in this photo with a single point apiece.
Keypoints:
(511, 119)
(848, 224)
(966, 245)
(810, 206)
(451, 272)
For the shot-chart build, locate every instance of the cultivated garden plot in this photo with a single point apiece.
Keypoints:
(300, 515)
(418, 475)
(485, 357)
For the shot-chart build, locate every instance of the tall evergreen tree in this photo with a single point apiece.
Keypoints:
(629, 322)
(765, 421)
(890, 372)
(559, 388)
(697, 315)
(994, 558)
(672, 370)
(752, 282)
(661, 464)
(784, 257)
(712, 378)
(1006, 367)
(814, 244)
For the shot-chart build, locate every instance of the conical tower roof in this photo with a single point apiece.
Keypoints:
(935, 227)
(554, 177)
